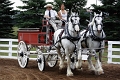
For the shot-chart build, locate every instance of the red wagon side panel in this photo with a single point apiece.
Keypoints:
(34, 37)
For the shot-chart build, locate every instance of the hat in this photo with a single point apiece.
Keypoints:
(48, 5)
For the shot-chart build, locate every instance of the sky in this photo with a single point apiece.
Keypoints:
(19, 3)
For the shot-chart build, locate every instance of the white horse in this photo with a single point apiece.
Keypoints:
(93, 39)
(66, 39)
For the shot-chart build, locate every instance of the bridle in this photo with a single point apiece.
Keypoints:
(96, 24)
(92, 32)
(75, 22)
(73, 26)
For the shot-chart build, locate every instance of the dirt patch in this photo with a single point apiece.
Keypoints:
(10, 70)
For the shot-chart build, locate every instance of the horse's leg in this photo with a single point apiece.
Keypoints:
(101, 51)
(79, 62)
(79, 57)
(61, 65)
(69, 72)
(99, 61)
(98, 65)
(90, 64)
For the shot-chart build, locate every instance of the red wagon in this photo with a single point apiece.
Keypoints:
(39, 38)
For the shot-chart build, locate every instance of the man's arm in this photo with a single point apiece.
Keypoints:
(46, 15)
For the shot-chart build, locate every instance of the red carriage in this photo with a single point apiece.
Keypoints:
(39, 38)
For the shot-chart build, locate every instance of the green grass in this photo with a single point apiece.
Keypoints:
(116, 45)
(3, 54)
(115, 52)
(115, 59)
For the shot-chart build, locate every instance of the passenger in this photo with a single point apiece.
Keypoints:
(51, 16)
(63, 14)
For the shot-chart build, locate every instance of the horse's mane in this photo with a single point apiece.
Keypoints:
(92, 22)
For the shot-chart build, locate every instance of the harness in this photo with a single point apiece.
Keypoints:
(92, 35)
(67, 36)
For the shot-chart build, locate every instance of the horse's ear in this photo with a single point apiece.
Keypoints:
(101, 14)
(94, 14)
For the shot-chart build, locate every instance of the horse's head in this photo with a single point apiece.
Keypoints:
(98, 22)
(75, 20)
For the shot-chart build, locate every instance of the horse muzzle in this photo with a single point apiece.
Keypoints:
(99, 31)
(77, 28)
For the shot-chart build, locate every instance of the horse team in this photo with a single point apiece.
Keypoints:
(72, 39)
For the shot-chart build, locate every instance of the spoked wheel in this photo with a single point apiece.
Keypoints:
(22, 54)
(73, 62)
(41, 62)
(52, 60)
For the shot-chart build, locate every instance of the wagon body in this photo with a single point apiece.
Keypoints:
(36, 36)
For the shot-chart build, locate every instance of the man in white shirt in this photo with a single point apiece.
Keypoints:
(51, 16)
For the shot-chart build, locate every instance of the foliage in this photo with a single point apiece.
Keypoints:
(6, 19)
(111, 22)
(31, 15)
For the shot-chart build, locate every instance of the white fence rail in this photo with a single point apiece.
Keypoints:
(6, 47)
(111, 49)
(8, 43)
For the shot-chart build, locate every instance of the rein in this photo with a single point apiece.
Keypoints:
(94, 37)
(71, 37)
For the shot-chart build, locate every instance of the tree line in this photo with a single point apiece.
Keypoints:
(31, 14)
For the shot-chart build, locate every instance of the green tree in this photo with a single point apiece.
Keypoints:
(31, 14)
(111, 22)
(6, 19)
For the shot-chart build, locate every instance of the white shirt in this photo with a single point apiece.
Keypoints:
(64, 16)
(52, 12)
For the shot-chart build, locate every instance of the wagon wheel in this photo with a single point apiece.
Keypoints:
(22, 54)
(73, 61)
(41, 62)
(52, 60)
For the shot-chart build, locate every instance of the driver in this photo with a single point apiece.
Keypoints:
(51, 16)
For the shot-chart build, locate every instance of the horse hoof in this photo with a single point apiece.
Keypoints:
(80, 69)
(102, 72)
(70, 74)
(61, 67)
(99, 72)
